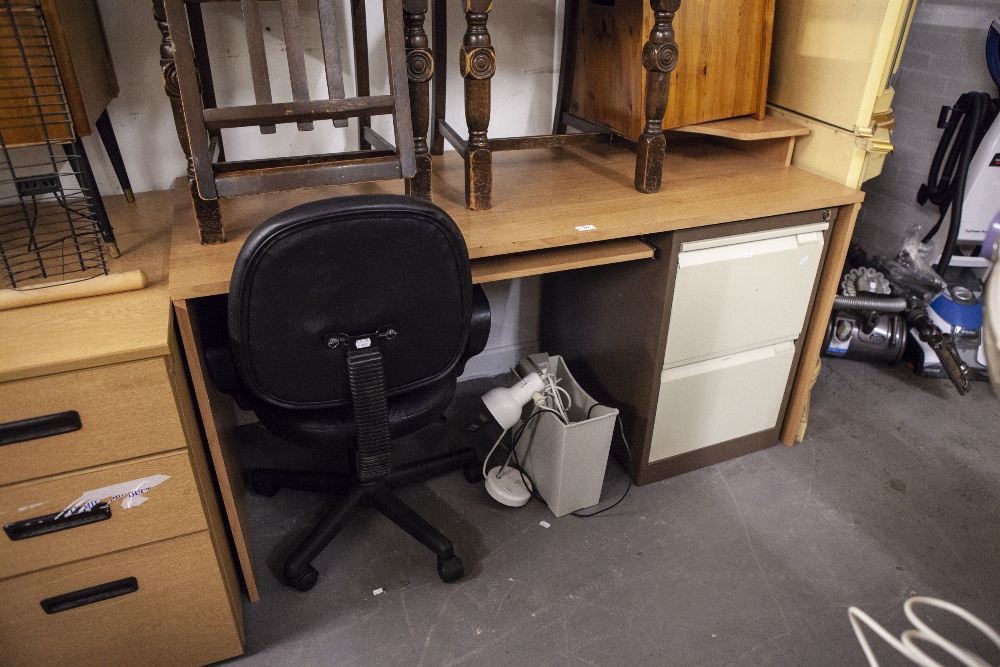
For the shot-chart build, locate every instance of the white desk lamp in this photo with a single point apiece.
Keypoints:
(505, 484)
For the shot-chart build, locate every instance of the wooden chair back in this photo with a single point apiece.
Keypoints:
(216, 178)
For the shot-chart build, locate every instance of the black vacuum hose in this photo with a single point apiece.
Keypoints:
(993, 51)
(964, 129)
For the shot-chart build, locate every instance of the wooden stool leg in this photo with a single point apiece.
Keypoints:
(207, 211)
(439, 25)
(659, 57)
(110, 141)
(478, 63)
(80, 163)
(419, 70)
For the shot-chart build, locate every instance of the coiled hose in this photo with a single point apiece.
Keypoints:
(874, 303)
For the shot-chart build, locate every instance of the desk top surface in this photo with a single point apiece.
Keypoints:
(100, 330)
(540, 199)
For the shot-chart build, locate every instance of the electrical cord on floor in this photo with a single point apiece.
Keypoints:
(906, 644)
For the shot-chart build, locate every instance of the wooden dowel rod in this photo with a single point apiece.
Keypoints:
(72, 289)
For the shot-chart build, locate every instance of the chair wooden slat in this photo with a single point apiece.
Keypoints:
(296, 55)
(330, 34)
(198, 121)
(306, 176)
(299, 112)
(258, 59)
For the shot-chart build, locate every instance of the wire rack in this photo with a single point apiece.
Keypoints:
(48, 227)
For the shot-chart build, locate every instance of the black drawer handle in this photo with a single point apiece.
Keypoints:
(39, 427)
(86, 596)
(51, 523)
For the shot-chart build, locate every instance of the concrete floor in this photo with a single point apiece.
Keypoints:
(750, 562)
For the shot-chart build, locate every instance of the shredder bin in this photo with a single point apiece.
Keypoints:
(567, 462)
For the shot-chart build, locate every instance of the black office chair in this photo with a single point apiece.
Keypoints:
(349, 321)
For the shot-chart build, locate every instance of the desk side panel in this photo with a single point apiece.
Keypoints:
(207, 488)
(218, 417)
(829, 282)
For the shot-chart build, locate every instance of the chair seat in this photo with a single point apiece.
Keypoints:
(335, 427)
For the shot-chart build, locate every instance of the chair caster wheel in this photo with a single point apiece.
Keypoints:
(262, 486)
(306, 579)
(473, 472)
(450, 569)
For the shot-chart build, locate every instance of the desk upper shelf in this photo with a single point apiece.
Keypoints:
(100, 330)
(541, 200)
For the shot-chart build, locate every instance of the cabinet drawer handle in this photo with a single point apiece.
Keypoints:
(39, 427)
(51, 523)
(86, 596)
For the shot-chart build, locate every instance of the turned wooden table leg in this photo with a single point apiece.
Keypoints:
(659, 57)
(207, 211)
(478, 63)
(419, 70)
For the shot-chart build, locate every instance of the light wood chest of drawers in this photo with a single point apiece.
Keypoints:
(113, 550)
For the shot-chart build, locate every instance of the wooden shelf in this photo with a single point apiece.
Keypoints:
(747, 128)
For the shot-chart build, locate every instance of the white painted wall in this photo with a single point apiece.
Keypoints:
(525, 35)
(944, 57)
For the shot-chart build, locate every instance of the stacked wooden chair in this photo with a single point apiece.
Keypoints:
(187, 76)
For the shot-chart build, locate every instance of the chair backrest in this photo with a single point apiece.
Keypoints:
(201, 122)
(349, 267)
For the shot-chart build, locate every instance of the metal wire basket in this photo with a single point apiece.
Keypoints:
(48, 228)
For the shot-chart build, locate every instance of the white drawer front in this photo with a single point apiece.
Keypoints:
(742, 292)
(713, 401)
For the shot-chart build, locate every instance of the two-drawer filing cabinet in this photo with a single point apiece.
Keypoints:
(113, 551)
(739, 304)
(697, 346)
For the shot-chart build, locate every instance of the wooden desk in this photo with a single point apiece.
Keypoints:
(115, 360)
(554, 209)
(544, 196)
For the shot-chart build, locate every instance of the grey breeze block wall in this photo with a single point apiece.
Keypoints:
(944, 57)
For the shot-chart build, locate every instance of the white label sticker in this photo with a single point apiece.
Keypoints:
(586, 228)
(363, 343)
(377, 591)
(131, 494)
